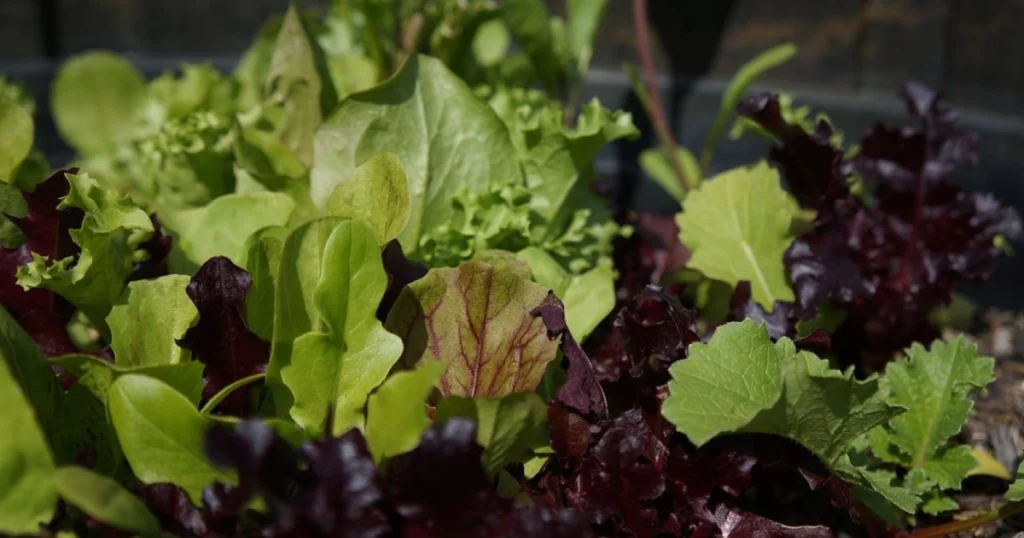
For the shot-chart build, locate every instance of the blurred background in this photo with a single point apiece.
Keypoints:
(853, 57)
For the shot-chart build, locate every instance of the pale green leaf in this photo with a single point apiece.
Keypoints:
(148, 320)
(1016, 491)
(737, 227)
(295, 310)
(334, 367)
(262, 256)
(477, 320)
(98, 100)
(222, 227)
(491, 42)
(298, 79)
(588, 298)
(724, 384)
(584, 20)
(16, 135)
(377, 195)
(447, 140)
(161, 433)
(396, 414)
(506, 427)
(105, 500)
(744, 77)
(27, 498)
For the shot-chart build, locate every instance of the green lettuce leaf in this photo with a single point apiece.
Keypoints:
(98, 101)
(935, 386)
(161, 433)
(476, 319)
(148, 320)
(17, 133)
(222, 227)
(334, 367)
(737, 227)
(507, 427)
(105, 500)
(448, 141)
(396, 413)
(298, 81)
(111, 232)
(28, 497)
(262, 256)
(376, 194)
(1016, 491)
(588, 298)
(97, 375)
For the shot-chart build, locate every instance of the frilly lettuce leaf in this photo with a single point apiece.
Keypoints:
(112, 230)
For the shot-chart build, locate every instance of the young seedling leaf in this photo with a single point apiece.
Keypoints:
(377, 195)
(396, 414)
(506, 427)
(147, 321)
(161, 433)
(334, 367)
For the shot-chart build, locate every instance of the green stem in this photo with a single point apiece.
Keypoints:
(657, 111)
(946, 529)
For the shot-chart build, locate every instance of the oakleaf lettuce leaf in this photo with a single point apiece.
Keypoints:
(476, 319)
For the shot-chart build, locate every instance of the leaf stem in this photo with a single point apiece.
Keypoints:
(657, 110)
(946, 529)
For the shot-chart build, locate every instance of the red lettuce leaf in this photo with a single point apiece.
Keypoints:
(582, 390)
(42, 314)
(221, 339)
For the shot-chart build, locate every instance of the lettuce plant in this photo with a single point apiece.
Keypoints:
(353, 289)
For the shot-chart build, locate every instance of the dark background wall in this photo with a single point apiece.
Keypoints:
(853, 56)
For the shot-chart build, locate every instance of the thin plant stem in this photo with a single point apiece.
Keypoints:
(657, 110)
(946, 529)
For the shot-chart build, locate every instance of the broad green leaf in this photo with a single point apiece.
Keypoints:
(161, 433)
(262, 253)
(987, 465)
(507, 427)
(334, 367)
(299, 81)
(477, 320)
(744, 77)
(222, 227)
(584, 20)
(396, 414)
(588, 298)
(737, 227)
(724, 384)
(934, 385)
(98, 100)
(447, 140)
(377, 195)
(491, 42)
(825, 410)
(96, 375)
(105, 500)
(655, 163)
(295, 310)
(148, 319)
(16, 135)
(31, 371)
(111, 232)
(27, 498)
